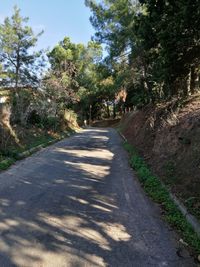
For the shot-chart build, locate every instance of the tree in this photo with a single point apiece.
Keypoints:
(117, 24)
(160, 40)
(19, 63)
(73, 73)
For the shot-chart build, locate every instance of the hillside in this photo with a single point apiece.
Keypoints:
(168, 137)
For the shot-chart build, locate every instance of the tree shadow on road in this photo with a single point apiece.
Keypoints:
(65, 209)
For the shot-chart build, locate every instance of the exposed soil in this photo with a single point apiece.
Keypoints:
(168, 137)
(28, 137)
(106, 123)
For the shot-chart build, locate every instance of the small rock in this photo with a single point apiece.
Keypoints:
(183, 242)
(182, 253)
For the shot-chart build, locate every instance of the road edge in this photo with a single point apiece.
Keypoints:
(187, 215)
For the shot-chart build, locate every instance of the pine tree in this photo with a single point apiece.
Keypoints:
(19, 63)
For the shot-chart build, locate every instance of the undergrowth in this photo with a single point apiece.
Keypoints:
(160, 194)
(4, 164)
(8, 157)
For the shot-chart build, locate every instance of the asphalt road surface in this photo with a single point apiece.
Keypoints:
(77, 203)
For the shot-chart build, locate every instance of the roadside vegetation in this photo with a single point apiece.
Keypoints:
(155, 189)
(44, 95)
(151, 74)
(152, 57)
(154, 54)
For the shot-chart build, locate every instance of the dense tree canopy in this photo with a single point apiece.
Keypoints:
(160, 39)
(153, 52)
(73, 76)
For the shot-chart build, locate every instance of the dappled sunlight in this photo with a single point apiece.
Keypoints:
(78, 227)
(98, 207)
(83, 187)
(20, 203)
(95, 237)
(97, 170)
(106, 203)
(115, 231)
(82, 201)
(4, 202)
(100, 137)
(59, 181)
(65, 208)
(81, 153)
(68, 214)
(89, 259)
(20, 247)
(8, 224)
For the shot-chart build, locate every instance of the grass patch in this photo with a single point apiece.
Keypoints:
(12, 154)
(4, 164)
(154, 188)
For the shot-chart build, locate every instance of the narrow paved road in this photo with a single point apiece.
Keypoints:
(77, 204)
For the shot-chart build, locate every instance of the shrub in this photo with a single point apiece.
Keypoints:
(33, 117)
(50, 123)
(6, 163)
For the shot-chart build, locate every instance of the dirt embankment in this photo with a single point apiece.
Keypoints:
(168, 137)
(106, 123)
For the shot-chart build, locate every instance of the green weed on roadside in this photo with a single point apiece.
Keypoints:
(4, 164)
(155, 189)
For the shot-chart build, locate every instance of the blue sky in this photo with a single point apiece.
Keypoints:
(58, 18)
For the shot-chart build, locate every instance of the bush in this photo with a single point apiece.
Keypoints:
(50, 123)
(6, 163)
(33, 118)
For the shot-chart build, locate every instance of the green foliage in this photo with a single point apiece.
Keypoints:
(42, 139)
(49, 123)
(4, 164)
(19, 65)
(155, 189)
(72, 80)
(157, 42)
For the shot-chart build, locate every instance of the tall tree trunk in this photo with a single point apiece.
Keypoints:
(185, 84)
(194, 80)
(114, 110)
(146, 84)
(108, 109)
(90, 114)
(18, 107)
(17, 67)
